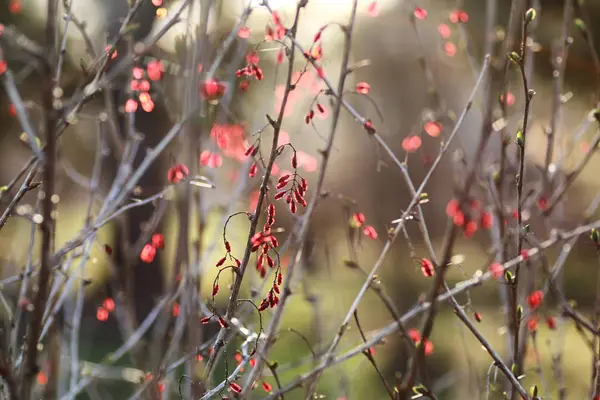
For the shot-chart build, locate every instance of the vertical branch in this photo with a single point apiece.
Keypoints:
(194, 199)
(595, 389)
(30, 366)
(520, 60)
(586, 30)
(559, 63)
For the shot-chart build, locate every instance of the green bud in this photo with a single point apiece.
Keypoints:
(3, 189)
(420, 389)
(496, 176)
(530, 15)
(520, 138)
(581, 26)
(515, 57)
(519, 311)
(595, 236)
(508, 276)
(533, 391)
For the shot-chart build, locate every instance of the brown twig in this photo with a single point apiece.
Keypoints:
(25, 187)
(520, 60)
(559, 63)
(49, 163)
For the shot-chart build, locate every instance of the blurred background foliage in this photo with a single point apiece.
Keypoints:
(327, 286)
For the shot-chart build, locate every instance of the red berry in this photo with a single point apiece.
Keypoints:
(158, 240)
(147, 254)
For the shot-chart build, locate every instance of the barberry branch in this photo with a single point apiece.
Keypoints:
(412, 204)
(232, 305)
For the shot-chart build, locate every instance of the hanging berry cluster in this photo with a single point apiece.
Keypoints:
(468, 218)
(296, 191)
(272, 298)
(265, 241)
(251, 69)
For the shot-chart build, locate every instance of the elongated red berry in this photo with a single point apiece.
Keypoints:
(235, 387)
(253, 170)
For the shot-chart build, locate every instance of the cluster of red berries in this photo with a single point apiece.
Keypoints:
(239, 358)
(415, 335)
(358, 220)
(272, 298)
(149, 250)
(251, 151)
(472, 219)
(108, 306)
(265, 240)
(295, 193)
(534, 301)
(251, 69)
(141, 87)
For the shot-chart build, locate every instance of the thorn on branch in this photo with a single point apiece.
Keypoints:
(272, 122)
